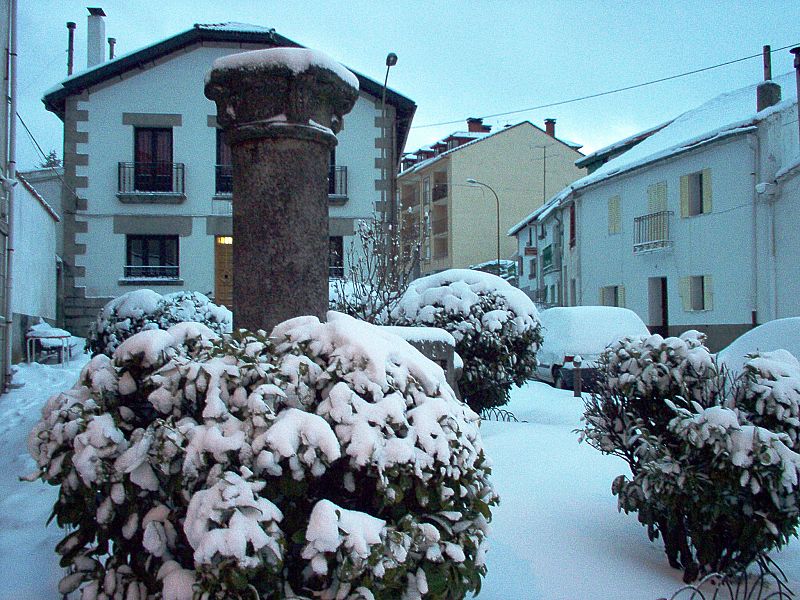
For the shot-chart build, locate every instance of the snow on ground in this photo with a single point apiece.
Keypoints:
(556, 535)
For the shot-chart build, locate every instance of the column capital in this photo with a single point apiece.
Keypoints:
(281, 93)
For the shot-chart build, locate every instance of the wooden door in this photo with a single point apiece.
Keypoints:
(223, 270)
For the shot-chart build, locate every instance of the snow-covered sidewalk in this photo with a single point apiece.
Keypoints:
(556, 534)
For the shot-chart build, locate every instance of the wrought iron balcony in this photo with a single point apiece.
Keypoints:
(651, 232)
(151, 178)
(151, 271)
(223, 180)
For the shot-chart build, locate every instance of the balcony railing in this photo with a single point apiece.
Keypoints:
(151, 271)
(439, 191)
(224, 180)
(337, 181)
(651, 232)
(151, 178)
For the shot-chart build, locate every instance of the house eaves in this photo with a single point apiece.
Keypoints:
(237, 33)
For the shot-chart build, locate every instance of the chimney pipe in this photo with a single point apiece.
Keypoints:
(550, 127)
(95, 46)
(70, 45)
(767, 63)
(111, 43)
(796, 52)
(768, 93)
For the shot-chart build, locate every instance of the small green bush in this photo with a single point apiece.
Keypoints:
(141, 310)
(495, 325)
(331, 460)
(713, 462)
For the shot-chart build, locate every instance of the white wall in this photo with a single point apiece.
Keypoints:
(176, 87)
(717, 244)
(34, 267)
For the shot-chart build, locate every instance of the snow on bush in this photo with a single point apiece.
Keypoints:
(495, 325)
(331, 460)
(144, 309)
(714, 463)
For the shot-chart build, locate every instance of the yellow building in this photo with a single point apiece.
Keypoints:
(455, 221)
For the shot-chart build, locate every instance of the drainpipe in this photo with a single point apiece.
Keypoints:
(11, 174)
(753, 142)
(796, 52)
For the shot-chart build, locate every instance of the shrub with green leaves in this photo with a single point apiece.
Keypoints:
(330, 460)
(495, 325)
(141, 310)
(714, 468)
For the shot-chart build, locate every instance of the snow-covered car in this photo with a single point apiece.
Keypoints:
(780, 334)
(583, 331)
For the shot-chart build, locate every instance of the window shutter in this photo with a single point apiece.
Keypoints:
(706, 191)
(708, 293)
(621, 296)
(657, 197)
(614, 215)
(686, 296)
(684, 196)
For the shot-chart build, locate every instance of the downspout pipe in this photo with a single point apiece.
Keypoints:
(11, 174)
(756, 153)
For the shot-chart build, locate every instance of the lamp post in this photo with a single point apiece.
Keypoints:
(388, 191)
(473, 182)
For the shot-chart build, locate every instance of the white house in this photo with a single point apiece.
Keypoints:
(151, 173)
(691, 227)
(34, 266)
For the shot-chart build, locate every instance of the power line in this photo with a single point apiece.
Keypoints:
(44, 156)
(606, 93)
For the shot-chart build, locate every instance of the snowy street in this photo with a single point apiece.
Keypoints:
(556, 534)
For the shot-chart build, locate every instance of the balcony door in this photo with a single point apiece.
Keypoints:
(153, 159)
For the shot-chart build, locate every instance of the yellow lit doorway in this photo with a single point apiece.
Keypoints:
(223, 270)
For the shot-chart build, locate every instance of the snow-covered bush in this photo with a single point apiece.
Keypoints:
(495, 325)
(714, 472)
(144, 309)
(330, 461)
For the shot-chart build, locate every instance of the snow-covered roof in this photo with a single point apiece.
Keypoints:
(50, 210)
(611, 148)
(728, 114)
(234, 33)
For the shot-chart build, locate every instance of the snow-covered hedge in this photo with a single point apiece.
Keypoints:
(144, 309)
(714, 463)
(495, 325)
(335, 462)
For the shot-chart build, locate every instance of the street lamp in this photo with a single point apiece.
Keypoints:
(474, 182)
(388, 191)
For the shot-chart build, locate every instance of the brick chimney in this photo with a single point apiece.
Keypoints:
(96, 42)
(475, 125)
(550, 127)
(768, 93)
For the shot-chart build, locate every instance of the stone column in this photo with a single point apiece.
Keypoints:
(280, 110)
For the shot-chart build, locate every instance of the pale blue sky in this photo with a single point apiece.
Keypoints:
(459, 59)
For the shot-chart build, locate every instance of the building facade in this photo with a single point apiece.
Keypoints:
(456, 222)
(691, 227)
(149, 174)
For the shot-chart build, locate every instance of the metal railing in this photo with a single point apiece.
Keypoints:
(151, 271)
(651, 232)
(337, 181)
(151, 177)
(439, 191)
(223, 178)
